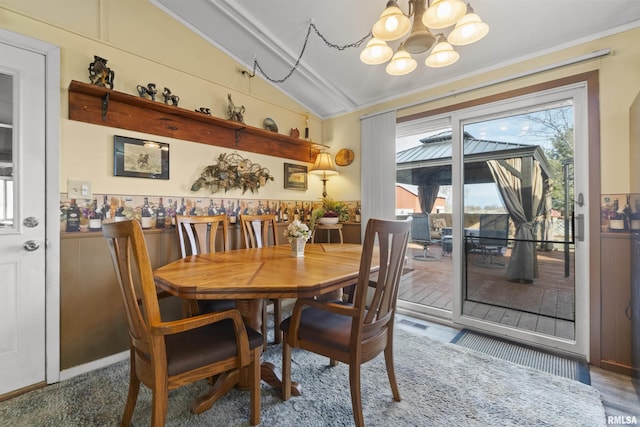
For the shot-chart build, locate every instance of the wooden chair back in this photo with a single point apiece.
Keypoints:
(199, 234)
(131, 261)
(354, 333)
(259, 230)
(376, 313)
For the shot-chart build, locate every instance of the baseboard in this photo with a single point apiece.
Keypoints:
(616, 367)
(91, 366)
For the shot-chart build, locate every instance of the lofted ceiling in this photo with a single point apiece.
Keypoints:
(330, 82)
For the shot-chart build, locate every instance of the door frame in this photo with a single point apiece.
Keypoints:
(590, 79)
(579, 345)
(51, 54)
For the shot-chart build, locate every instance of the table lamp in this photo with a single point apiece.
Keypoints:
(323, 167)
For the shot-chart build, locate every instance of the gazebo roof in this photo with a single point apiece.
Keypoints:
(431, 161)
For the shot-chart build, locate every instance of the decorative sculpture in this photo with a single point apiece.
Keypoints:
(235, 113)
(203, 110)
(149, 90)
(233, 171)
(100, 74)
(169, 98)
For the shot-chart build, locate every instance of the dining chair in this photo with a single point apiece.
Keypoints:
(167, 355)
(259, 231)
(199, 235)
(354, 333)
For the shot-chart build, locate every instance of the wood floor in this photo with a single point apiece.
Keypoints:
(546, 306)
(617, 391)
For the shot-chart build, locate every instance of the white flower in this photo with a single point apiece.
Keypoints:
(297, 230)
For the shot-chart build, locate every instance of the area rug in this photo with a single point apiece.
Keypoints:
(441, 384)
(523, 355)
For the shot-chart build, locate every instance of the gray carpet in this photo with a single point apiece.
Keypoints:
(441, 385)
(551, 363)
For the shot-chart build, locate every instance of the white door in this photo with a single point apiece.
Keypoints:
(22, 218)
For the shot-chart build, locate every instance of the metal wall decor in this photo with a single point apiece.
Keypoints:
(235, 113)
(100, 74)
(203, 110)
(169, 98)
(149, 89)
(233, 171)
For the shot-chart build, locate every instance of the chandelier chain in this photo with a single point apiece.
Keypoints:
(256, 64)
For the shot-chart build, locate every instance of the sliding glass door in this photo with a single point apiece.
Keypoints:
(502, 186)
(518, 213)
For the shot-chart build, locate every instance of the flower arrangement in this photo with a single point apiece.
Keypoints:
(233, 171)
(330, 209)
(297, 230)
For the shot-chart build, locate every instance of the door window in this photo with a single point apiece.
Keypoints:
(6, 151)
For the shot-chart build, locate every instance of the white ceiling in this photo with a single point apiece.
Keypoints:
(329, 82)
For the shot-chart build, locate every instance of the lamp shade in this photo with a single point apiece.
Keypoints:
(323, 166)
(468, 30)
(401, 63)
(392, 24)
(444, 13)
(376, 52)
(442, 54)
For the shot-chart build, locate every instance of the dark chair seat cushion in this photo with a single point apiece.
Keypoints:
(209, 344)
(322, 327)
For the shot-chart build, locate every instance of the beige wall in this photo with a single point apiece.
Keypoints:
(619, 86)
(142, 44)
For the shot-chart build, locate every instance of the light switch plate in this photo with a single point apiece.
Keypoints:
(77, 189)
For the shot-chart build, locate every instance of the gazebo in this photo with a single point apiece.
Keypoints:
(520, 171)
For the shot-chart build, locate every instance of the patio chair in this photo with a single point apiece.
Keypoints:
(493, 238)
(354, 333)
(421, 234)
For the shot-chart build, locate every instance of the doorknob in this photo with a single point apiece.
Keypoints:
(31, 245)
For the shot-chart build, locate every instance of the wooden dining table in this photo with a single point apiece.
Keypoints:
(251, 275)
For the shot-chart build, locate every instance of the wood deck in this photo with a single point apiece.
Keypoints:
(547, 305)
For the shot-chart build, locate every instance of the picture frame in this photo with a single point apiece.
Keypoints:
(140, 158)
(295, 177)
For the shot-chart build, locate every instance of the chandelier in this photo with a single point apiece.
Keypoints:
(427, 20)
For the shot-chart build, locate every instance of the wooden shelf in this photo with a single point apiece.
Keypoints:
(101, 106)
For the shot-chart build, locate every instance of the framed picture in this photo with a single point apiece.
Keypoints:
(139, 158)
(295, 176)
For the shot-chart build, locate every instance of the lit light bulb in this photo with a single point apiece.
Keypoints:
(391, 24)
(401, 63)
(444, 10)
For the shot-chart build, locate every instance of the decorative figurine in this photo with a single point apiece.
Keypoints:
(306, 126)
(100, 74)
(149, 90)
(203, 110)
(235, 113)
(294, 133)
(169, 98)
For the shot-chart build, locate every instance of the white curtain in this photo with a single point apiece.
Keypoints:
(378, 166)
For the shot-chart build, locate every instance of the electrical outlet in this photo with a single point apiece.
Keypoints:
(77, 189)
